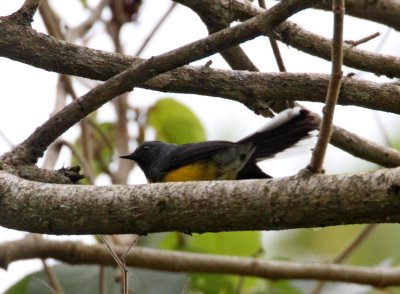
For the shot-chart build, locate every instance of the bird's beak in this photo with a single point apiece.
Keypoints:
(129, 156)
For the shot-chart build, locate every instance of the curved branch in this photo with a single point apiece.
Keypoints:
(79, 253)
(34, 146)
(211, 206)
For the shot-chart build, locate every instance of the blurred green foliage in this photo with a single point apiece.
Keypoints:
(102, 144)
(174, 122)
(84, 279)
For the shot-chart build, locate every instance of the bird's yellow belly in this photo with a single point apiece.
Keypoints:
(197, 171)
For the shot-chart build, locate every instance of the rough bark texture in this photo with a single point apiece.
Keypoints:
(276, 204)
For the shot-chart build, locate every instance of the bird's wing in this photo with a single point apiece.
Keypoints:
(188, 153)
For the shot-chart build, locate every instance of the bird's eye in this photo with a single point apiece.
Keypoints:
(146, 148)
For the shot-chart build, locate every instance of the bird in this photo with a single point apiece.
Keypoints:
(224, 160)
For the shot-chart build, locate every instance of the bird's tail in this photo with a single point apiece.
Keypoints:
(281, 132)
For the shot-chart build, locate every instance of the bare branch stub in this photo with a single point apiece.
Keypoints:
(24, 15)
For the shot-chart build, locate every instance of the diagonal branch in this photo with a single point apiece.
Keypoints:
(308, 42)
(212, 206)
(34, 146)
(79, 253)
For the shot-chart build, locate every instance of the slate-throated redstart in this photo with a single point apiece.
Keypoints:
(223, 160)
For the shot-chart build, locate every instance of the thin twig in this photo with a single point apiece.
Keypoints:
(363, 40)
(358, 239)
(85, 138)
(120, 176)
(5, 138)
(155, 29)
(46, 285)
(129, 248)
(51, 20)
(120, 263)
(52, 23)
(277, 106)
(355, 243)
(274, 44)
(325, 133)
(80, 30)
(52, 278)
(345, 253)
(102, 135)
(54, 283)
(277, 54)
(54, 149)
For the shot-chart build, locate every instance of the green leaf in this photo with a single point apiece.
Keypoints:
(20, 287)
(84, 3)
(283, 287)
(171, 241)
(204, 283)
(228, 243)
(174, 122)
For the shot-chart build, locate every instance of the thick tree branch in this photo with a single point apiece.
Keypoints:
(214, 206)
(173, 261)
(100, 65)
(34, 146)
(383, 11)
